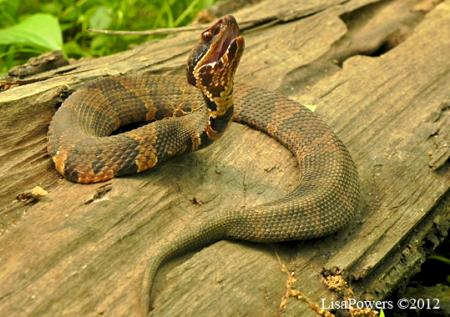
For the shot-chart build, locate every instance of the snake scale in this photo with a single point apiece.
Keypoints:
(187, 116)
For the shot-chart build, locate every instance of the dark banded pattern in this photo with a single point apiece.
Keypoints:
(325, 199)
(79, 140)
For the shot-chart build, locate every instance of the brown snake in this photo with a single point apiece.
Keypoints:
(83, 150)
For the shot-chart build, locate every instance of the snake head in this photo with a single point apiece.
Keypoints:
(214, 60)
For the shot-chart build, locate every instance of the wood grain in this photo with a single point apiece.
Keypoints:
(72, 255)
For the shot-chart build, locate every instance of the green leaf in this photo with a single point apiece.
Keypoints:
(39, 31)
(72, 49)
(101, 18)
(100, 45)
(381, 313)
(311, 107)
(190, 8)
(8, 11)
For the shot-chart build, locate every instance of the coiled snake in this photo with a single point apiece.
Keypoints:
(83, 150)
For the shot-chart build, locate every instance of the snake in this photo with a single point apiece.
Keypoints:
(183, 116)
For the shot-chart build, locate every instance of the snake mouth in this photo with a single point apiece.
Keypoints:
(222, 36)
(216, 42)
(217, 54)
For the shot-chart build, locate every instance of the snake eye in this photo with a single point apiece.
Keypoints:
(207, 36)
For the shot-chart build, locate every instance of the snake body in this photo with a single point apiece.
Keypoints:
(325, 200)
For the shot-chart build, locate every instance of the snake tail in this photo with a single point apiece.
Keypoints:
(209, 229)
(325, 199)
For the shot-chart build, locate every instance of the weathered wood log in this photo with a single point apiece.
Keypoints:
(78, 253)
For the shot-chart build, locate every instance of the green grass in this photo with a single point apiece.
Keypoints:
(32, 27)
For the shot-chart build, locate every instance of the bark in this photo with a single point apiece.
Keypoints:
(378, 72)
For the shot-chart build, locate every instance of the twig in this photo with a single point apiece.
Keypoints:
(149, 32)
(243, 25)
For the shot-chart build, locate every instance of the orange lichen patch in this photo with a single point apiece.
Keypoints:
(291, 291)
(32, 196)
(336, 283)
(363, 312)
(60, 160)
